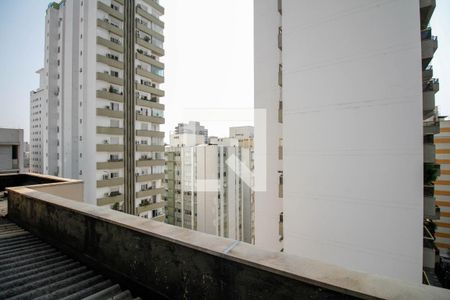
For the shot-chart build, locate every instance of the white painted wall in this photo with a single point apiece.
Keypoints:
(353, 134)
(267, 56)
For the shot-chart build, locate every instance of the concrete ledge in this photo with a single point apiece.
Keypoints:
(184, 264)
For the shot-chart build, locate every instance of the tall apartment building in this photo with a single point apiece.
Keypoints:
(206, 187)
(245, 136)
(38, 123)
(101, 114)
(348, 122)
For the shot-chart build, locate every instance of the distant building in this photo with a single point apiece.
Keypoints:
(191, 128)
(26, 157)
(244, 134)
(39, 122)
(207, 187)
(11, 150)
(97, 113)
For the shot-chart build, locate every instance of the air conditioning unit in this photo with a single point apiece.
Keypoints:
(107, 107)
(106, 20)
(105, 142)
(106, 194)
(105, 177)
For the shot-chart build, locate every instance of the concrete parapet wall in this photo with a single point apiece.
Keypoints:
(152, 257)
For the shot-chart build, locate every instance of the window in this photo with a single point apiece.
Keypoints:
(114, 123)
(115, 106)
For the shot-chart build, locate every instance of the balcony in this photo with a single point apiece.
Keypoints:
(149, 89)
(149, 133)
(149, 75)
(150, 192)
(429, 207)
(429, 254)
(116, 14)
(431, 86)
(429, 47)
(149, 31)
(431, 127)
(428, 103)
(149, 59)
(155, 5)
(149, 148)
(150, 207)
(110, 199)
(110, 130)
(429, 153)
(109, 78)
(109, 147)
(148, 45)
(427, 74)
(149, 162)
(149, 16)
(110, 27)
(109, 44)
(151, 119)
(149, 103)
(426, 11)
(149, 177)
(110, 62)
(110, 165)
(108, 112)
(110, 95)
(110, 182)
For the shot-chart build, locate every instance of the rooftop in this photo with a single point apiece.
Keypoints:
(151, 259)
(31, 268)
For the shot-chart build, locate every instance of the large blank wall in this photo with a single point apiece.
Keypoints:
(353, 193)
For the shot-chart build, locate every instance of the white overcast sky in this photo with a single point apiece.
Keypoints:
(209, 63)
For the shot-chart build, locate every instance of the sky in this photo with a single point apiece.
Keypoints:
(209, 61)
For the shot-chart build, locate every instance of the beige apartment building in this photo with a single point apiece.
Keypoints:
(441, 207)
(99, 102)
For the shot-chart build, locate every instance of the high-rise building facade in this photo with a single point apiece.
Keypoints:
(38, 123)
(102, 110)
(439, 207)
(348, 123)
(207, 187)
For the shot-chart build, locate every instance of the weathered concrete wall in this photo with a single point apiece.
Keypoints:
(69, 190)
(181, 264)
